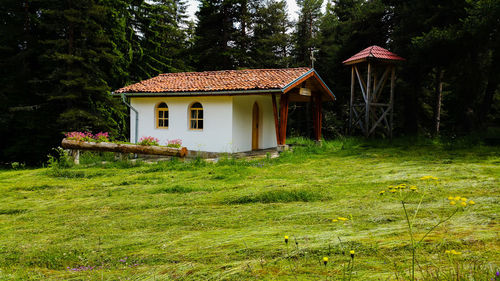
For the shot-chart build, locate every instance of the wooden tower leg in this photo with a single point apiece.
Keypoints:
(351, 103)
(368, 97)
(391, 101)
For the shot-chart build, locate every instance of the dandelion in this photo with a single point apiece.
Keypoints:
(393, 190)
(457, 198)
(453, 252)
(382, 192)
(429, 178)
(464, 199)
(463, 204)
(471, 202)
(453, 203)
(413, 188)
(286, 239)
(447, 252)
(342, 219)
(450, 198)
(335, 220)
(325, 260)
(352, 253)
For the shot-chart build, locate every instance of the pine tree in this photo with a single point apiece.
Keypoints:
(214, 35)
(271, 41)
(305, 36)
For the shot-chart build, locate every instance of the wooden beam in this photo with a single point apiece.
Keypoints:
(352, 99)
(276, 121)
(380, 86)
(283, 118)
(367, 112)
(362, 84)
(317, 116)
(379, 120)
(358, 120)
(391, 99)
(289, 88)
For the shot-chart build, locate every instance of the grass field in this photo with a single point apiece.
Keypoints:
(204, 221)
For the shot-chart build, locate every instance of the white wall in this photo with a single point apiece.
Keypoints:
(242, 122)
(227, 122)
(216, 135)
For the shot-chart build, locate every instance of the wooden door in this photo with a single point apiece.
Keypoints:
(255, 127)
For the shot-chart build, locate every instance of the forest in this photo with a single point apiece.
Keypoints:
(61, 59)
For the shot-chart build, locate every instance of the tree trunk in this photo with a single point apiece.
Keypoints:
(438, 99)
(491, 87)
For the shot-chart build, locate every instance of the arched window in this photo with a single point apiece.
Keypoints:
(162, 116)
(196, 116)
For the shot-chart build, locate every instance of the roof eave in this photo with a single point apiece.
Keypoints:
(197, 93)
(306, 75)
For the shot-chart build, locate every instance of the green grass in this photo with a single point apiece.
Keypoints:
(203, 221)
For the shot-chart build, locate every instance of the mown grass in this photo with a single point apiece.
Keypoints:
(202, 221)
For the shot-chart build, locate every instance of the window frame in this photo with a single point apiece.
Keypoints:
(197, 119)
(157, 116)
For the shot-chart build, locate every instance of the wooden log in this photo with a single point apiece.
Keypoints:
(124, 148)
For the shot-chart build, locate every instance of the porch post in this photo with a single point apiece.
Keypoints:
(276, 121)
(283, 117)
(317, 116)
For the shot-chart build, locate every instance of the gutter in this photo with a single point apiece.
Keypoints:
(209, 93)
(136, 115)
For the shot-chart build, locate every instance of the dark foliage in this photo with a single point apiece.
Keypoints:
(59, 60)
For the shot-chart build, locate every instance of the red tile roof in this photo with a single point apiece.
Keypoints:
(211, 81)
(373, 52)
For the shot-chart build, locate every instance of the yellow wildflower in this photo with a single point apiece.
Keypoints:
(464, 199)
(450, 198)
(286, 239)
(447, 252)
(457, 198)
(334, 220)
(471, 202)
(455, 252)
(463, 204)
(453, 203)
(381, 192)
(413, 188)
(342, 218)
(393, 190)
(352, 253)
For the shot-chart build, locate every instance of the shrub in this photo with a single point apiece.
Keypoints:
(177, 143)
(102, 137)
(87, 136)
(149, 141)
(60, 159)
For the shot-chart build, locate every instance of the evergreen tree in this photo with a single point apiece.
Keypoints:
(214, 35)
(305, 36)
(271, 40)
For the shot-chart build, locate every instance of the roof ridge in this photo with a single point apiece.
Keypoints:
(231, 70)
